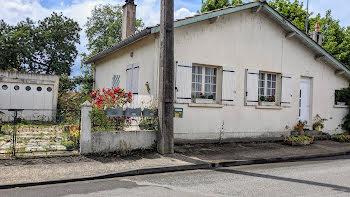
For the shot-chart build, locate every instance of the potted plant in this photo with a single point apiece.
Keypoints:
(340, 97)
(318, 123)
(300, 126)
(267, 100)
(203, 99)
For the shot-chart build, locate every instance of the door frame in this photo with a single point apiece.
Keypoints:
(310, 122)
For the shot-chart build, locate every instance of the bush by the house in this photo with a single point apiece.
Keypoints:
(342, 138)
(109, 98)
(299, 140)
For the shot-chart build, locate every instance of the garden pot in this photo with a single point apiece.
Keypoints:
(264, 103)
(318, 128)
(203, 101)
(341, 103)
(301, 128)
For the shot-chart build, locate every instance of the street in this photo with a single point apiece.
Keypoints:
(317, 177)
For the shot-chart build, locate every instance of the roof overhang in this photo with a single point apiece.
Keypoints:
(291, 31)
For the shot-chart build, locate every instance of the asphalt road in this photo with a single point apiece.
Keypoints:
(324, 177)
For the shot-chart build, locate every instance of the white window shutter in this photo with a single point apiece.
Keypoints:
(228, 85)
(183, 82)
(252, 88)
(286, 98)
(135, 85)
(129, 78)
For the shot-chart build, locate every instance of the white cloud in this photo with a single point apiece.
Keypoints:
(183, 12)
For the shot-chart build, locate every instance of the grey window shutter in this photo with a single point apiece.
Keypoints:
(135, 85)
(287, 89)
(228, 85)
(252, 92)
(129, 78)
(183, 82)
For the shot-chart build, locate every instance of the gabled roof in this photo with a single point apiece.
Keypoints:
(273, 15)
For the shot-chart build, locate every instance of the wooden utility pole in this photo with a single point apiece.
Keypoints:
(165, 138)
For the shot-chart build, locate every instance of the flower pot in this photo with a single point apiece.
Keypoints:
(264, 103)
(301, 128)
(203, 101)
(318, 128)
(341, 103)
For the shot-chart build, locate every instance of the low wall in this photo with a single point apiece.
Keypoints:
(114, 141)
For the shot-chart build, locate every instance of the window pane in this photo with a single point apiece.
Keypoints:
(213, 88)
(262, 76)
(261, 91)
(268, 84)
(207, 88)
(199, 70)
(273, 77)
(193, 78)
(273, 84)
(273, 92)
(194, 69)
(207, 79)
(261, 83)
(215, 71)
(268, 76)
(268, 92)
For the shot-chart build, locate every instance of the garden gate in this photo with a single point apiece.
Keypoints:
(38, 132)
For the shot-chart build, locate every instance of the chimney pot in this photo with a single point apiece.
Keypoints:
(317, 35)
(129, 19)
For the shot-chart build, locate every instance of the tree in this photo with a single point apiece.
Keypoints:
(104, 27)
(293, 11)
(209, 5)
(48, 46)
(336, 39)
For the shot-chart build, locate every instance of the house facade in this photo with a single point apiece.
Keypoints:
(241, 72)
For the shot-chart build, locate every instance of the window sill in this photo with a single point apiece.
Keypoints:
(340, 106)
(212, 105)
(268, 107)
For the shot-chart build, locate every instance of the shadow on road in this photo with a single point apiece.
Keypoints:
(252, 174)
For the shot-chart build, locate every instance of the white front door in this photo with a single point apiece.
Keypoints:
(304, 102)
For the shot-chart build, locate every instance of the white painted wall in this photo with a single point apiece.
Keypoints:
(37, 105)
(244, 41)
(116, 64)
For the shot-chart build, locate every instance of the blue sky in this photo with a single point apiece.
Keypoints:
(13, 11)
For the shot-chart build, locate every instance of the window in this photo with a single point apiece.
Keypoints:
(267, 86)
(16, 87)
(28, 88)
(115, 81)
(39, 89)
(204, 82)
(4, 87)
(49, 89)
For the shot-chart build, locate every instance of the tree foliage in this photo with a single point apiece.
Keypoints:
(336, 39)
(47, 46)
(209, 5)
(104, 27)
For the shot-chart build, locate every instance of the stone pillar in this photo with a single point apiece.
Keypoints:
(85, 135)
(129, 19)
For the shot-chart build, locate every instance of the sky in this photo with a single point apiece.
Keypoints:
(13, 11)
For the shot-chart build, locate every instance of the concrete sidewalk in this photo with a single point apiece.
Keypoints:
(187, 157)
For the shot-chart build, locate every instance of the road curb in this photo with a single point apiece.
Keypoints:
(204, 165)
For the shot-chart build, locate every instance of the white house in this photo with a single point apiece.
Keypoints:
(236, 57)
(35, 94)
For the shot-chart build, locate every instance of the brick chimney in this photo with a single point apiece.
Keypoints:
(129, 19)
(317, 35)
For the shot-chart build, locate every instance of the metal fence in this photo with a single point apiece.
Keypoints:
(38, 131)
(119, 119)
